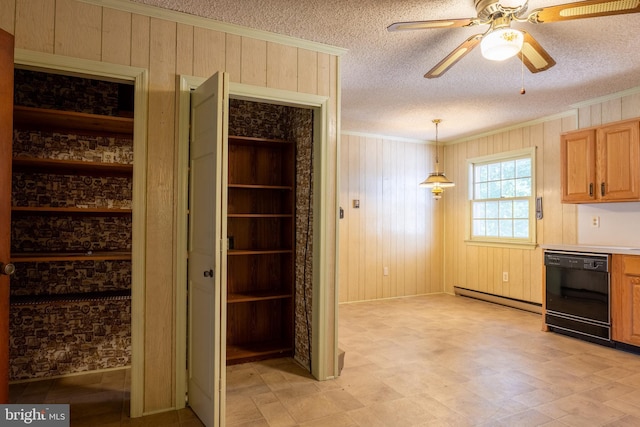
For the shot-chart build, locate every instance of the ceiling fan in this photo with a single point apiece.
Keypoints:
(500, 41)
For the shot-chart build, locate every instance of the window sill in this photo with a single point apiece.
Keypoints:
(503, 244)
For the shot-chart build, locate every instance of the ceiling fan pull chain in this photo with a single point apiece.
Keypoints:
(522, 91)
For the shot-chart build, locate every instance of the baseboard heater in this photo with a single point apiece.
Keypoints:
(509, 302)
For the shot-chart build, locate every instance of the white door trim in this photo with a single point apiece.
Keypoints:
(321, 263)
(69, 65)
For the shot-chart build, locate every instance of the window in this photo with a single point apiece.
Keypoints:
(502, 198)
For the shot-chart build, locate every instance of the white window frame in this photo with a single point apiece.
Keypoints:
(529, 243)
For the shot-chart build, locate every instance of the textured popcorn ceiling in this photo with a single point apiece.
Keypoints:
(383, 89)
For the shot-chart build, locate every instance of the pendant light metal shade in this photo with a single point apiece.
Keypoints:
(437, 181)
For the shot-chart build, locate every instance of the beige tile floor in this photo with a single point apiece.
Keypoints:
(421, 361)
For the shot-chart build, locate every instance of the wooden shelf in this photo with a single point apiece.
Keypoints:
(256, 296)
(255, 215)
(72, 167)
(57, 120)
(71, 256)
(261, 187)
(70, 210)
(237, 353)
(120, 295)
(268, 142)
(232, 252)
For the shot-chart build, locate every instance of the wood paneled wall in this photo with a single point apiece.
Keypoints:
(611, 110)
(480, 267)
(400, 227)
(398, 224)
(165, 47)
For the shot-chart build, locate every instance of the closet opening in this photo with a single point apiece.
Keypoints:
(71, 241)
(270, 232)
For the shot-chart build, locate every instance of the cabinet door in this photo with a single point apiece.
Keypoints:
(625, 299)
(577, 154)
(619, 161)
(6, 135)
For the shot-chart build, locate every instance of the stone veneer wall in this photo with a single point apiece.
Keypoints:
(75, 316)
(262, 120)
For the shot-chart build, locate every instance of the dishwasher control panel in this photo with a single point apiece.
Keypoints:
(576, 261)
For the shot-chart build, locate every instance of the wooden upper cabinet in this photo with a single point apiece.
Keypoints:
(619, 161)
(625, 299)
(578, 157)
(601, 164)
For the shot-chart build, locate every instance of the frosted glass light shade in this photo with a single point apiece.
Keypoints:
(501, 43)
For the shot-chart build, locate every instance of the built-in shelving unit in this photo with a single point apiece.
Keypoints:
(71, 224)
(69, 121)
(260, 224)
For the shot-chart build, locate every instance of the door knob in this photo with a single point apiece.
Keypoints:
(7, 269)
(208, 273)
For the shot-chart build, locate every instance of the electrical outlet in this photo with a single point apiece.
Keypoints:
(595, 221)
(505, 276)
(385, 271)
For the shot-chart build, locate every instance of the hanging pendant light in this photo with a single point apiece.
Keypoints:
(437, 181)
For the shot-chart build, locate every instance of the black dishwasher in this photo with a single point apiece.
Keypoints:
(577, 295)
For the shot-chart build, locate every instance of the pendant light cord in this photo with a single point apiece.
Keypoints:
(437, 121)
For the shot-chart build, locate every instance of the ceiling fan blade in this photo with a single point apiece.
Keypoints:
(453, 57)
(423, 25)
(534, 56)
(583, 9)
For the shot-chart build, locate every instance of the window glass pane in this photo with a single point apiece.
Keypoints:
(495, 190)
(492, 227)
(478, 209)
(521, 209)
(523, 168)
(493, 171)
(481, 191)
(508, 188)
(506, 209)
(523, 187)
(481, 173)
(521, 228)
(506, 228)
(508, 169)
(492, 209)
(478, 227)
(502, 192)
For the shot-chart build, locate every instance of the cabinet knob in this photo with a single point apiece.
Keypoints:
(7, 269)
(602, 189)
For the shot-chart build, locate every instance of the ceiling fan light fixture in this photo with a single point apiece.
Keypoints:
(501, 44)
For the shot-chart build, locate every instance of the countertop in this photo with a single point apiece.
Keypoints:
(594, 249)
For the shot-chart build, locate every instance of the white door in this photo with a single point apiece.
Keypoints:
(207, 253)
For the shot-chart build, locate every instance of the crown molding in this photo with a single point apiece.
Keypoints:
(198, 21)
(540, 120)
(388, 137)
